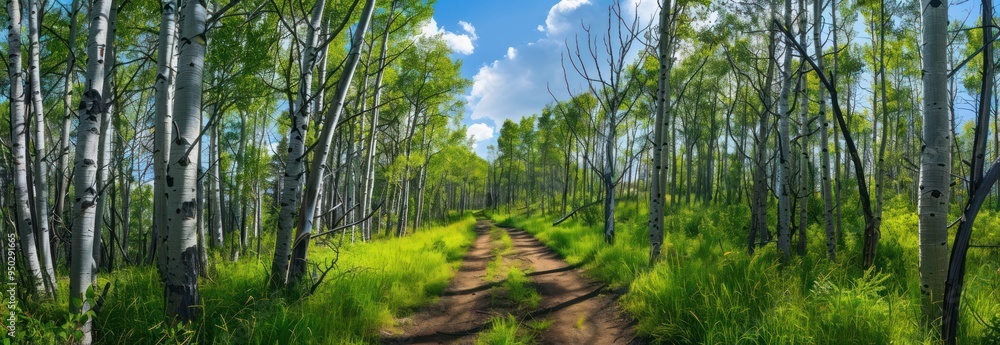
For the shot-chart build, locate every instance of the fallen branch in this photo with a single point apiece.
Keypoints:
(563, 219)
(342, 227)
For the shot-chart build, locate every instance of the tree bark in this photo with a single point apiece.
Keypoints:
(163, 129)
(181, 281)
(215, 187)
(803, 184)
(297, 265)
(784, 170)
(935, 159)
(369, 168)
(825, 186)
(41, 166)
(64, 170)
(105, 148)
(295, 161)
(92, 108)
(657, 197)
(19, 146)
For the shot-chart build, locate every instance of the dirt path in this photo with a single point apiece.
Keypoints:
(578, 311)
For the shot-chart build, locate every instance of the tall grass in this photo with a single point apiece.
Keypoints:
(706, 289)
(372, 284)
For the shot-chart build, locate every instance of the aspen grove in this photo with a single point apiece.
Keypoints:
(377, 171)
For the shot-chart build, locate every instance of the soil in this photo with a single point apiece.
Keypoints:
(579, 310)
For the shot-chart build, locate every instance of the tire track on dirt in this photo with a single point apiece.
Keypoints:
(577, 310)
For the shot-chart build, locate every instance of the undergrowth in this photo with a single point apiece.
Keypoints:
(372, 284)
(706, 288)
(505, 331)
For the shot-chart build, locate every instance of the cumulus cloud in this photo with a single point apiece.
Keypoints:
(519, 84)
(461, 43)
(557, 22)
(479, 132)
(468, 28)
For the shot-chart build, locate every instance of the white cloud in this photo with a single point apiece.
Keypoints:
(556, 22)
(461, 43)
(518, 85)
(468, 28)
(479, 132)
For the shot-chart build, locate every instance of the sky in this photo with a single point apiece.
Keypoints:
(510, 50)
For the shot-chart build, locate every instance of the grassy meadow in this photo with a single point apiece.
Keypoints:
(706, 289)
(372, 285)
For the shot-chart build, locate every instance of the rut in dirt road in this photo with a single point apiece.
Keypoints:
(574, 307)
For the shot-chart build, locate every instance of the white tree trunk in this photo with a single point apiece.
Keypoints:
(935, 159)
(181, 281)
(103, 162)
(784, 169)
(68, 78)
(657, 193)
(164, 126)
(18, 127)
(803, 183)
(825, 186)
(297, 264)
(106, 146)
(295, 161)
(92, 107)
(369, 162)
(41, 163)
(215, 187)
(608, 177)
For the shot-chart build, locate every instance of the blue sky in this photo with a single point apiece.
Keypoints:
(511, 51)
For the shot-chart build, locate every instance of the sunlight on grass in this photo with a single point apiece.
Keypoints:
(373, 284)
(706, 289)
(504, 331)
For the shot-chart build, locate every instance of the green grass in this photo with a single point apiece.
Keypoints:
(505, 331)
(518, 289)
(373, 284)
(515, 286)
(706, 289)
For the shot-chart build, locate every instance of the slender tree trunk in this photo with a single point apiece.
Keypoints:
(202, 250)
(980, 183)
(609, 177)
(295, 161)
(106, 146)
(181, 288)
(804, 184)
(369, 172)
(404, 192)
(784, 170)
(214, 184)
(880, 166)
(41, 163)
(825, 187)
(935, 159)
(103, 161)
(163, 130)
(758, 203)
(297, 265)
(91, 110)
(64, 144)
(19, 146)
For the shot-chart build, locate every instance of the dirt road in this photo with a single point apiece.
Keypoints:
(575, 309)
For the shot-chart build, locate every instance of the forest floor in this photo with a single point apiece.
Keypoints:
(561, 306)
